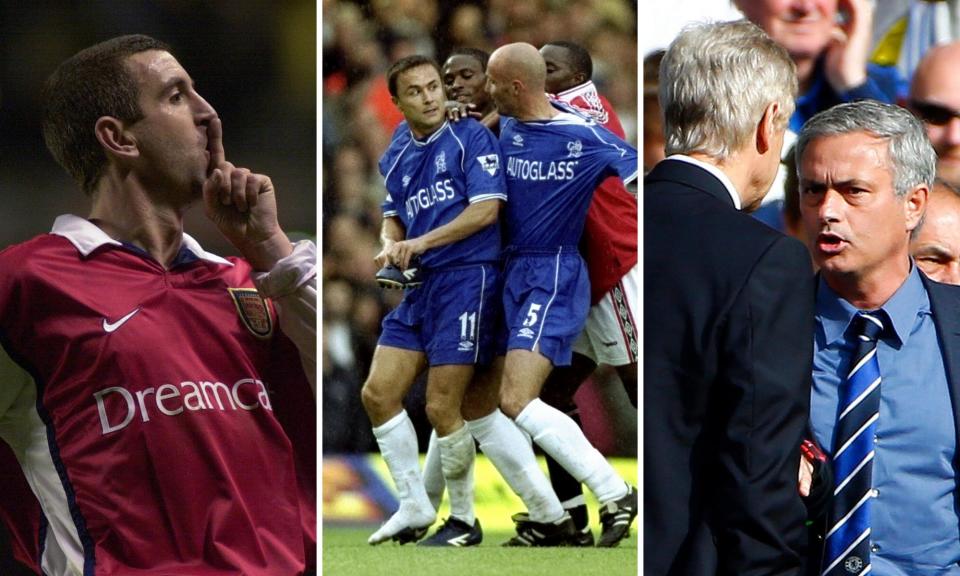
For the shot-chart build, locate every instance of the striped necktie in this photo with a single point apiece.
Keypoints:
(848, 539)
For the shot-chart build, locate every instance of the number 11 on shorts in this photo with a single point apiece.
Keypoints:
(468, 325)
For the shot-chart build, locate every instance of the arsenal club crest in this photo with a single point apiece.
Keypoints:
(253, 310)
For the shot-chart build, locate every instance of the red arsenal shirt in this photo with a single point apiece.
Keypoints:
(146, 409)
(609, 242)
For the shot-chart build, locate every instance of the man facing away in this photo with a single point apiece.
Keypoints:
(865, 172)
(728, 317)
(554, 159)
(144, 395)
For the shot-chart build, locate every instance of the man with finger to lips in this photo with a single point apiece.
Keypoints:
(150, 388)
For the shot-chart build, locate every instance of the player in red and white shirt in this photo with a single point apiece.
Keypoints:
(609, 247)
(158, 397)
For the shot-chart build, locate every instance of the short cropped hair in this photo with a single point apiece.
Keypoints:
(92, 83)
(404, 64)
(580, 60)
(913, 160)
(481, 56)
(716, 80)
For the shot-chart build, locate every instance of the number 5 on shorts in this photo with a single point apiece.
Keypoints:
(532, 317)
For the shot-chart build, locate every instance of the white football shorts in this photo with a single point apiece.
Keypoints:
(610, 336)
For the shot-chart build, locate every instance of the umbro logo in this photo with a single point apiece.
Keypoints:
(109, 327)
(409, 273)
(460, 540)
(518, 140)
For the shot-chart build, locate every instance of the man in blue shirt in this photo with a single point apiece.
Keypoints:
(553, 158)
(865, 170)
(444, 188)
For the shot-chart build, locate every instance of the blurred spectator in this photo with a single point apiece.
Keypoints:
(936, 247)
(829, 41)
(935, 99)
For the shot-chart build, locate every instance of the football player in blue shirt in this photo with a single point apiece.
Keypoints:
(553, 158)
(444, 187)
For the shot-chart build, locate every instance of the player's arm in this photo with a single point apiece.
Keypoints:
(292, 285)
(474, 218)
(391, 232)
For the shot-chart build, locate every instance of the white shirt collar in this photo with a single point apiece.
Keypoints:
(87, 237)
(569, 94)
(713, 170)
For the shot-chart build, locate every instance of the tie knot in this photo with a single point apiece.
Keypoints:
(869, 325)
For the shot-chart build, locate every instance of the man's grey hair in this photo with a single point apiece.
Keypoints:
(913, 160)
(716, 80)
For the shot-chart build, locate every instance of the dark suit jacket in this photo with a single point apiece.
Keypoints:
(728, 340)
(945, 306)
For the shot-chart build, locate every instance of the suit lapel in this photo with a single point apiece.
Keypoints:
(945, 305)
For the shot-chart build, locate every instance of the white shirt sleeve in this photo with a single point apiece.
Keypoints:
(292, 285)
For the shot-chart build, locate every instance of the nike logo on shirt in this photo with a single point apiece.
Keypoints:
(109, 327)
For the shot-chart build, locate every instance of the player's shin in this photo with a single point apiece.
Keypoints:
(398, 447)
(512, 455)
(563, 440)
(457, 453)
(433, 473)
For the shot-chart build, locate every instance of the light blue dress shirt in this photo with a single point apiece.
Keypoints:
(915, 528)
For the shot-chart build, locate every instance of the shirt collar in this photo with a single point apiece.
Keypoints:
(713, 170)
(586, 89)
(909, 301)
(431, 138)
(87, 237)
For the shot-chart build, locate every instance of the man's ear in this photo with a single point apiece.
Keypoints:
(767, 127)
(116, 141)
(915, 206)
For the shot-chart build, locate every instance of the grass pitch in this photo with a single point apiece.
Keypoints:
(346, 553)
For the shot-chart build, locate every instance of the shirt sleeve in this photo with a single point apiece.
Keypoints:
(619, 156)
(883, 84)
(292, 285)
(483, 168)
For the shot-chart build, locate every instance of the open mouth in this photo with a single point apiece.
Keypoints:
(830, 243)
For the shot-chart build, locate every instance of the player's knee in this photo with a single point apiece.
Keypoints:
(376, 399)
(512, 404)
(442, 415)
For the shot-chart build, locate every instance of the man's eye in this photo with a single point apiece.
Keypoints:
(177, 97)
